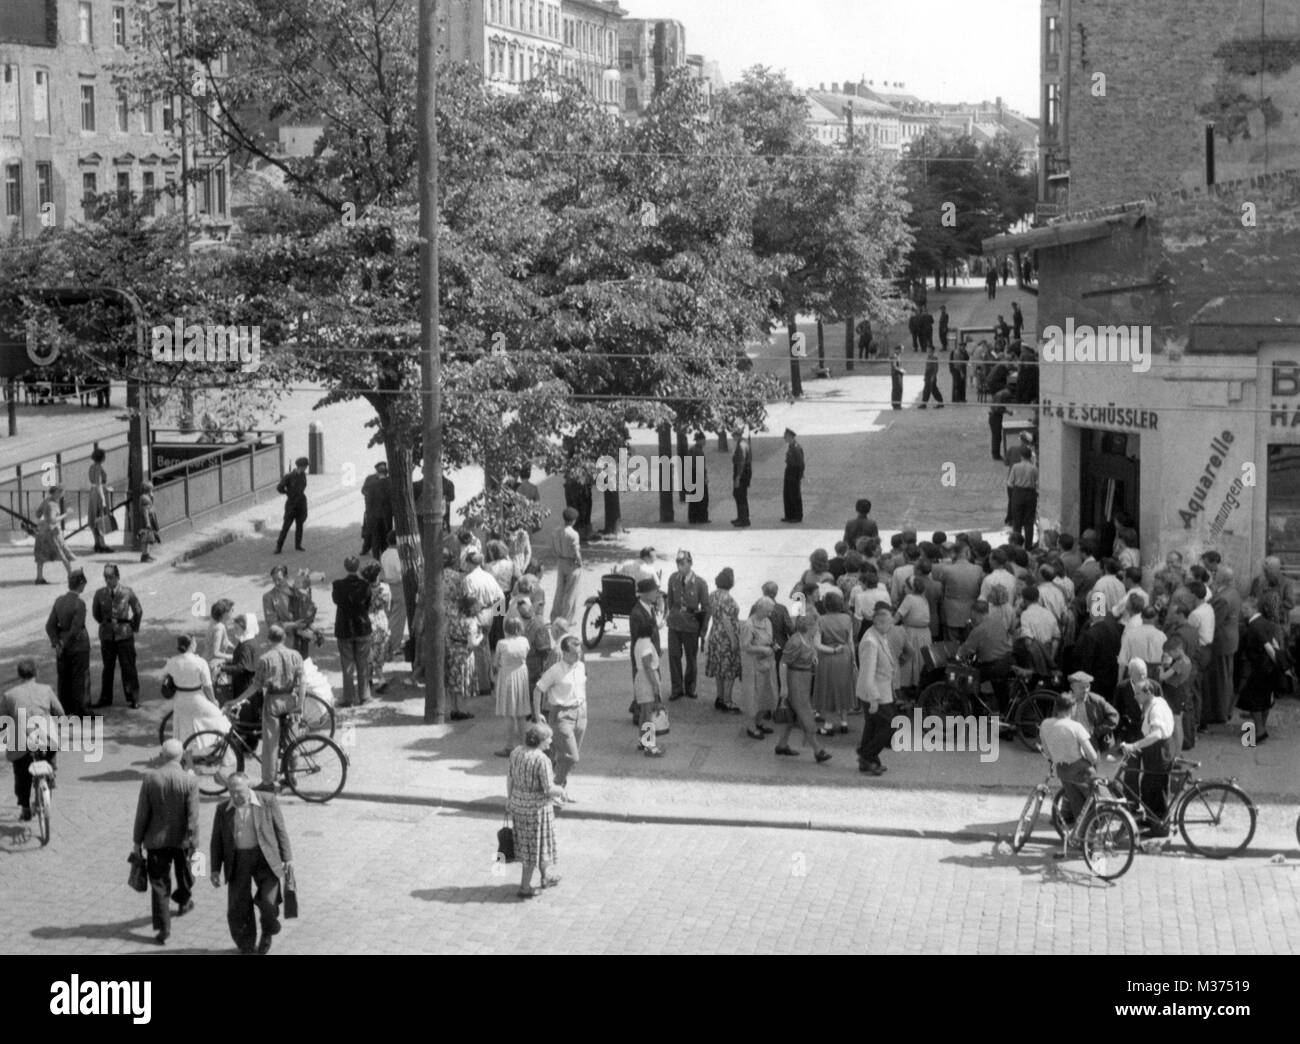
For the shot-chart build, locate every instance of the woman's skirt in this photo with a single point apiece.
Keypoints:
(513, 694)
(757, 685)
(534, 826)
(916, 639)
(50, 547)
(836, 684)
(1257, 695)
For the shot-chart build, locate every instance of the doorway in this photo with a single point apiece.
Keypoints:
(1109, 466)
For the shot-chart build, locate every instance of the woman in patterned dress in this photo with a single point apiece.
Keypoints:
(463, 637)
(49, 537)
(835, 689)
(381, 601)
(514, 697)
(722, 649)
(530, 796)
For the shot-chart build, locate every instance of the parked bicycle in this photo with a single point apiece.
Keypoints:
(1105, 830)
(313, 765)
(1215, 817)
(317, 715)
(42, 771)
(961, 693)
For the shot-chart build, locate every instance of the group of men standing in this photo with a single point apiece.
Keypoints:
(118, 612)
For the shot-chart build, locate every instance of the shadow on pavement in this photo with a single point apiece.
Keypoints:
(118, 930)
(119, 776)
(470, 894)
(1029, 864)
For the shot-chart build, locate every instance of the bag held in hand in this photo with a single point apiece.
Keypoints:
(784, 714)
(506, 844)
(290, 894)
(138, 877)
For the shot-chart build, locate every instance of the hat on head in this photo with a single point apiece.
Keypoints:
(790, 432)
(1026, 438)
(1081, 676)
(647, 586)
(685, 556)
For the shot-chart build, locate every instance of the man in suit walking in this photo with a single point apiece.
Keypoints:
(118, 613)
(688, 623)
(352, 630)
(66, 629)
(931, 381)
(167, 828)
(250, 845)
(943, 328)
(294, 488)
(794, 467)
(742, 472)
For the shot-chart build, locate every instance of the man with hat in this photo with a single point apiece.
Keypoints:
(167, 829)
(643, 622)
(1065, 742)
(378, 521)
(568, 567)
(688, 621)
(794, 467)
(1091, 711)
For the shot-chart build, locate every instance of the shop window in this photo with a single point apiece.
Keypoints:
(1283, 537)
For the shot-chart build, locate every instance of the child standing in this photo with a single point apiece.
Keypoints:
(148, 534)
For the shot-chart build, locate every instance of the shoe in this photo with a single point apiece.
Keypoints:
(248, 949)
(552, 881)
(826, 732)
(183, 910)
(939, 407)
(300, 548)
(997, 457)
(460, 716)
(1261, 737)
(923, 406)
(26, 814)
(765, 730)
(718, 705)
(146, 558)
(266, 788)
(42, 581)
(733, 709)
(787, 752)
(755, 734)
(843, 730)
(264, 944)
(654, 752)
(504, 752)
(277, 551)
(823, 756)
(676, 696)
(161, 938)
(871, 770)
(527, 893)
(692, 695)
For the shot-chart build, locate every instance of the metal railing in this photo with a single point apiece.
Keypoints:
(24, 485)
(232, 472)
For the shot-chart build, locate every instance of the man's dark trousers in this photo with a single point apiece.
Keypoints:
(896, 391)
(793, 496)
(995, 429)
(115, 651)
(159, 863)
(294, 515)
(876, 731)
(681, 643)
(932, 390)
(741, 496)
(23, 776)
(1024, 510)
(1153, 768)
(252, 868)
(74, 676)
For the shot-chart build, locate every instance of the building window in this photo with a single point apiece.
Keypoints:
(1053, 106)
(532, 16)
(205, 193)
(13, 190)
(146, 112)
(44, 184)
(9, 94)
(170, 191)
(119, 26)
(124, 186)
(1053, 34)
(123, 112)
(168, 112)
(89, 190)
(41, 101)
(87, 107)
(149, 192)
(512, 65)
(1283, 537)
(85, 22)
(219, 181)
(512, 14)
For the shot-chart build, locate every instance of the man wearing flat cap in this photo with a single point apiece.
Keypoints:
(794, 465)
(643, 622)
(1092, 711)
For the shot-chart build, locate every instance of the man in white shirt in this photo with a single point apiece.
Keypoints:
(1109, 588)
(865, 599)
(1036, 621)
(1155, 750)
(1145, 642)
(1067, 745)
(484, 589)
(563, 687)
(1202, 617)
(1051, 597)
(1134, 594)
(390, 564)
(643, 567)
(999, 577)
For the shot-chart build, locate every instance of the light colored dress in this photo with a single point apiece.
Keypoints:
(722, 648)
(98, 496)
(641, 688)
(512, 678)
(217, 645)
(192, 710)
(914, 616)
(837, 674)
(532, 813)
(758, 672)
(49, 540)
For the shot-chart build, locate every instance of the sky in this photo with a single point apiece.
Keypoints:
(943, 50)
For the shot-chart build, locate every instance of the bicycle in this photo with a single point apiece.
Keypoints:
(962, 690)
(313, 765)
(42, 772)
(317, 715)
(1104, 829)
(1203, 809)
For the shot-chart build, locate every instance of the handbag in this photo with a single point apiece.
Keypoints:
(168, 687)
(106, 523)
(290, 894)
(784, 714)
(506, 843)
(660, 721)
(138, 877)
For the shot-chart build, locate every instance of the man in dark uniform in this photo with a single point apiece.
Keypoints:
(914, 328)
(957, 368)
(66, 628)
(742, 471)
(1017, 320)
(896, 372)
(697, 511)
(378, 522)
(943, 327)
(294, 488)
(931, 380)
(926, 322)
(794, 467)
(996, 413)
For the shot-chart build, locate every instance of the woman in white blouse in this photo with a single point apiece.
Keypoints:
(194, 707)
(218, 643)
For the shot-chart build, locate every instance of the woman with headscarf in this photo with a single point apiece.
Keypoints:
(49, 537)
(531, 793)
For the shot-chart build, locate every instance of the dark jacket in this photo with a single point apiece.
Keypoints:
(272, 837)
(167, 812)
(118, 615)
(641, 624)
(66, 624)
(1097, 653)
(352, 596)
(294, 486)
(857, 528)
(742, 466)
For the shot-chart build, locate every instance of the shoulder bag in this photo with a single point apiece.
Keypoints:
(506, 842)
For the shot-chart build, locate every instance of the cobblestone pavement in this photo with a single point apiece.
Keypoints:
(407, 879)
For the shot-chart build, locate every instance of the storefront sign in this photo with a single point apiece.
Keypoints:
(1286, 385)
(1115, 416)
(1219, 449)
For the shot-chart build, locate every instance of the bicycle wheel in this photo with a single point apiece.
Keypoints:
(1034, 709)
(1109, 841)
(315, 768)
(41, 813)
(317, 715)
(1058, 814)
(941, 700)
(593, 624)
(165, 728)
(1028, 817)
(1216, 820)
(214, 757)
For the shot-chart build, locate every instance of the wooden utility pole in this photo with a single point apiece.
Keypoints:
(848, 323)
(435, 625)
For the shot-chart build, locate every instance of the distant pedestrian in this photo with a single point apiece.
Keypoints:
(1006, 270)
(896, 373)
(167, 828)
(377, 491)
(794, 471)
(1017, 320)
(697, 511)
(957, 365)
(862, 525)
(927, 331)
(100, 512)
(875, 689)
(931, 381)
(647, 681)
(568, 569)
(250, 845)
(914, 329)
(294, 489)
(996, 412)
(531, 792)
(991, 281)
(66, 629)
(150, 533)
(390, 563)
(381, 601)
(49, 534)
(35, 705)
(118, 613)
(943, 327)
(865, 339)
(1001, 329)
(352, 631)
(1022, 484)
(688, 623)
(742, 472)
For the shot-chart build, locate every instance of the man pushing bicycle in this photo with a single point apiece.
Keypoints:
(1067, 745)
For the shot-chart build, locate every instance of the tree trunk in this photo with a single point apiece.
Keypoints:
(850, 335)
(796, 378)
(821, 349)
(722, 443)
(613, 514)
(683, 449)
(665, 495)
